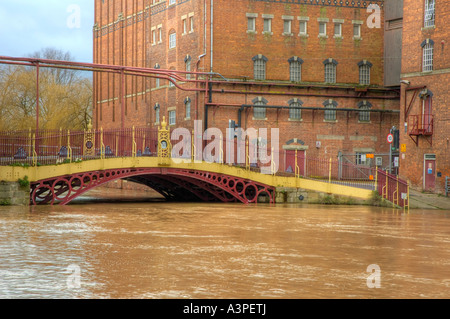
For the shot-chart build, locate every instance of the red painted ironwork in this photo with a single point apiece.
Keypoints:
(167, 181)
(421, 125)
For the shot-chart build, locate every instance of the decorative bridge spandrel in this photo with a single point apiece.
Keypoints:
(63, 165)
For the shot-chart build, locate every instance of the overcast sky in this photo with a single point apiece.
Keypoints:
(27, 26)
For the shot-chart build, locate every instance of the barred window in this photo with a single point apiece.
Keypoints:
(364, 72)
(330, 70)
(429, 13)
(330, 110)
(427, 47)
(259, 112)
(259, 67)
(294, 112)
(295, 69)
(364, 113)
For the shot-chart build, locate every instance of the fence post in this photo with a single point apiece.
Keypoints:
(297, 169)
(247, 155)
(34, 150)
(102, 146)
(134, 148)
(69, 149)
(329, 175)
(376, 178)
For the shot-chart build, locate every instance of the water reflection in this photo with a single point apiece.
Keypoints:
(152, 249)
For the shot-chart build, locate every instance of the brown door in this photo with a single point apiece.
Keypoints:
(430, 174)
(290, 161)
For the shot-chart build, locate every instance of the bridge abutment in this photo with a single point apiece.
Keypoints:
(299, 195)
(13, 194)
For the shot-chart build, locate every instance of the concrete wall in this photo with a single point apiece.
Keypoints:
(12, 194)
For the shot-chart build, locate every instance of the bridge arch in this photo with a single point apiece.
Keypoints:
(174, 184)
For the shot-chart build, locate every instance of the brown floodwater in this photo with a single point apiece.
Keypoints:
(104, 247)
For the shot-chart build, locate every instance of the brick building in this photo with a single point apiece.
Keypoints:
(425, 97)
(313, 68)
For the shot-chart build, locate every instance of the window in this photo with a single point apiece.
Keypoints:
(330, 110)
(159, 34)
(364, 72)
(187, 104)
(267, 28)
(157, 113)
(172, 40)
(251, 22)
(429, 13)
(330, 70)
(338, 30)
(361, 159)
(427, 48)
(172, 82)
(191, 24)
(295, 69)
(172, 117)
(259, 112)
(171, 2)
(187, 61)
(295, 114)
(157, 82)
(153, 36)
(322, 29)
(357, 29)
(259, 67)
(287, 25)
(303, 26)
(364, 113)
(184, 24)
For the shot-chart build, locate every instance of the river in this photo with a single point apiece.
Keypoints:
(148, 249)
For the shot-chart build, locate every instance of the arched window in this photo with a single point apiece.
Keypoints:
(295, 69)
(364, 72)
(330, 70)
(259, 67)
(294, 112)
(157, 113)
(364, 113)
(187, 61)
(259, 112)
(427, 48)
(172, 39)
(330, 110)
(187, 103)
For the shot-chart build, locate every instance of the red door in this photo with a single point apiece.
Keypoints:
(290, 161)
(430, 175)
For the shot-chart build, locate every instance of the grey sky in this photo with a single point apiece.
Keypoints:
(27, 26)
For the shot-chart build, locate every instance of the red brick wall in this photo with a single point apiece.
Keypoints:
(412, 161)
(232, 57)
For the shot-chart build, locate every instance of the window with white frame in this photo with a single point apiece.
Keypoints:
(427, 48)
(259, 67)
(191, 23)
(159, 34)
(259, 111)
(357, 29)
(172, 117)
(364, 113)
(171, 2)
(172, 40)
(187, 104)
(251, 24)
(295, 69)
(330, 110)
(338, 30)
(294, 112)
(267, 27)
(361, 159)
(322, 29)
(184, 24)
(364, 72)
(303, 26)
(330, 70)
(154, 36)
(429, 13)
(287, 25)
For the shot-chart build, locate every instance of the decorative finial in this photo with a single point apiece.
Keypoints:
(164, 123)
(89, 126)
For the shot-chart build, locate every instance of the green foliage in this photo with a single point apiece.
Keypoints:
(24, 183)
(5, 202)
